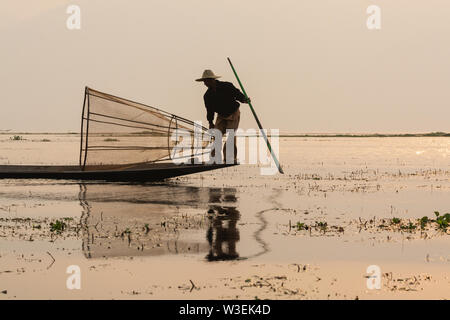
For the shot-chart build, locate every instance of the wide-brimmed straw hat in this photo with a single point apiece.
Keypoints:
(207, 74)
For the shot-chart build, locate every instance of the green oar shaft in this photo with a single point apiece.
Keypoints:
(257, 120)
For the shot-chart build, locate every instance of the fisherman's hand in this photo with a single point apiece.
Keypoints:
(248, 100)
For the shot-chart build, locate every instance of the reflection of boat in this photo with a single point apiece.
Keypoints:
(160, 219)
(141, 220)
(153, 220)
(122, 140)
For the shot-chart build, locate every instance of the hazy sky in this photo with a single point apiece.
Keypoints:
(308, 65)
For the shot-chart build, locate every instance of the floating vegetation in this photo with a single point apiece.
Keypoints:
(321, 225)
(301, 226)
(423, 222)
(30, 229)
(111, 140)
(57, 226)
(408, 283)
(408, 227)
(370, 135)
(422, 225)
(442, 221)
(273, 284)
(127, 232)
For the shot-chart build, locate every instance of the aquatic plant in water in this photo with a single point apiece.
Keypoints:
(58, 226)
(442, 221)
(301, 226)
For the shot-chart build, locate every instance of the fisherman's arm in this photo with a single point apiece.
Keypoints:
(239, 96)
(209, 112)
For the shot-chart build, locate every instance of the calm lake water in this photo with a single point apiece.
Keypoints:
(236, 214)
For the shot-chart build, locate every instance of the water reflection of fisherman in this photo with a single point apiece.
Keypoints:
(222, 233)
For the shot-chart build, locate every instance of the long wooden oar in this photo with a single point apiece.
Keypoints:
(257, 121)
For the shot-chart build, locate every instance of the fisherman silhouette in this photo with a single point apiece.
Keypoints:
(222, 98)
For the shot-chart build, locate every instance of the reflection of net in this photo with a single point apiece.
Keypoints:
(136, 220)
(118, 131)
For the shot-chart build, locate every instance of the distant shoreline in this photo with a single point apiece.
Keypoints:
(366, 135)
(288, 135)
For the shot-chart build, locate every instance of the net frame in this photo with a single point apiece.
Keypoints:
(174, 124)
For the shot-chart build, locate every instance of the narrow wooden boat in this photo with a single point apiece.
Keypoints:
(148, 172)
(124, 140)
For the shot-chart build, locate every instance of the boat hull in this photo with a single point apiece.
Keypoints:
(153, 172)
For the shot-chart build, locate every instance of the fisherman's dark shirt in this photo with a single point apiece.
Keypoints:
(222, 100)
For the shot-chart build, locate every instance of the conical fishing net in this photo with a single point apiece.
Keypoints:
(117, 131)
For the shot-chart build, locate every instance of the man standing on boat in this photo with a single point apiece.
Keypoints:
(222, 98)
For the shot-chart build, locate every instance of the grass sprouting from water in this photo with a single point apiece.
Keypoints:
(58, 226)
(442, 221)
(301, 226)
